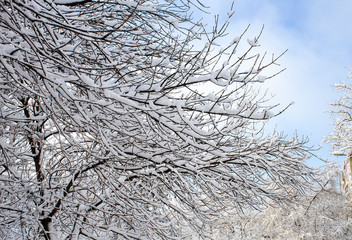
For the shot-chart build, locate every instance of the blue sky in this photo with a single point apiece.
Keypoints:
(318, 36)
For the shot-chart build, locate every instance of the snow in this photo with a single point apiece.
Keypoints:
(230, 13)
(6, 49)
(261, 78)
(253, 43)
(164, 101)
(67, 2)
(156, 61)
(173, 21)
(225, 73)
(146, 8)
(52, 232)
(122, 179)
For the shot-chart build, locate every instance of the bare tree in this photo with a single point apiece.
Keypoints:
(117, 121)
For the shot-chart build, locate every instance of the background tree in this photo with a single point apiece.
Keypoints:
(117, 121)
(323, 214)
(341, 138)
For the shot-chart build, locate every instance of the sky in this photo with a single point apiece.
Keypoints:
(318, 36)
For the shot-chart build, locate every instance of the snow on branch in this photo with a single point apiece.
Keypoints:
(125, 119)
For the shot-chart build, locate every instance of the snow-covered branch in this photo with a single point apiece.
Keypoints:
(122, 118)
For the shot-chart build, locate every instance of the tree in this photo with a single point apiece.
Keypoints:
(118, 121)
(323, 214)
(341, 138)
